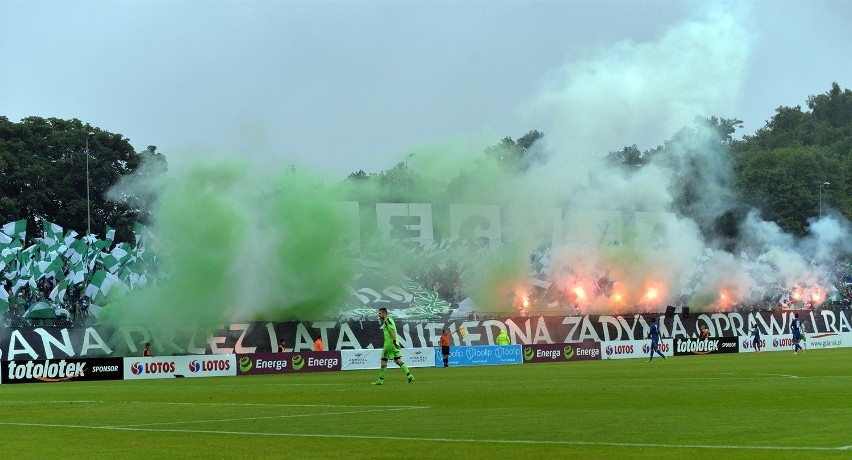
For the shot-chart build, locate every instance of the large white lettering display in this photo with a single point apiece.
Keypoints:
(654, 229)
(479, 224)
(593, 228)
(350, 231)
(409, 222)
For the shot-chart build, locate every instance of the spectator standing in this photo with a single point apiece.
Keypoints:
(503, 338)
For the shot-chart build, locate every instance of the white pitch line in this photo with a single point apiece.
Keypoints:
(255, 418)
(172, 403)
(456, 440)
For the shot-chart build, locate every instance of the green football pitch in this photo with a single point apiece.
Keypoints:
(768, 405)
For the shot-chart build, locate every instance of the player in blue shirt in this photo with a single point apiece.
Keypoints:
(654, 334)
(755, 339)
(796, 329)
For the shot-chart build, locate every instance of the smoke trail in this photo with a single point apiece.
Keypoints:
(238, 243)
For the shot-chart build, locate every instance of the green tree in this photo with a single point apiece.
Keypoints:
(780, 168)
(43, 171)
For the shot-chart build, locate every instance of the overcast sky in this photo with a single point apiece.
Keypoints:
(341, 86)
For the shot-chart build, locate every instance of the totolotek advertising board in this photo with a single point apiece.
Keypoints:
(481, 355)
(623, 349)
(288, 362)
(549, 353)
(371, 358)
(706, 346)
(161, 367)
(62, 370)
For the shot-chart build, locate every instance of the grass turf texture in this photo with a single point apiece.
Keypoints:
(767, 405)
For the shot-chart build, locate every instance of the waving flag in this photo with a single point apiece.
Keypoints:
(16, 229)
(52, 234)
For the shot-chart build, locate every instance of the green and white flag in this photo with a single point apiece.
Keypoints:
(58, 292)
(4, 299)
(76, 251)
(19, 284)
(16, 229)
(110, 235)
(122, 252)
(110, 262)
(76, 273)
(52, 234)
(143, 236)
(5, 239)
(9, 253)
(98, 286)
(100, 245)
(70, 237)
(101, 284)
(54, 270)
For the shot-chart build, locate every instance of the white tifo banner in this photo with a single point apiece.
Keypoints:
(371, 358)
(162, 367)
(785, 342)
(621, 349)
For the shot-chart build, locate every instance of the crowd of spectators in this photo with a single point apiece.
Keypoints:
(72, 310)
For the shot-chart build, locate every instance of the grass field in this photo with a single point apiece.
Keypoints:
(771, 405)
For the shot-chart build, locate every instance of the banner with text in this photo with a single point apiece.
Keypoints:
(706, 346)
(371, 358)
(162, 367)
(623, 349)
(263, 337)
(288, 362)
(62, 370)
(548, 353)
(481, 355)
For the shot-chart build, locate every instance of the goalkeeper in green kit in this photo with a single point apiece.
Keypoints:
(391, 348)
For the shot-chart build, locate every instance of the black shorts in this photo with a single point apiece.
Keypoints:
(445, 350)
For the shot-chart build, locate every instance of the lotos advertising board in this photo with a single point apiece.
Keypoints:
(180, 366)
(785, 342)
(288, 362)
(622, 349)
(768, 343)
(706, 346)
(548, 353)
(481, 355)
(62, 370)
(371, 358)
